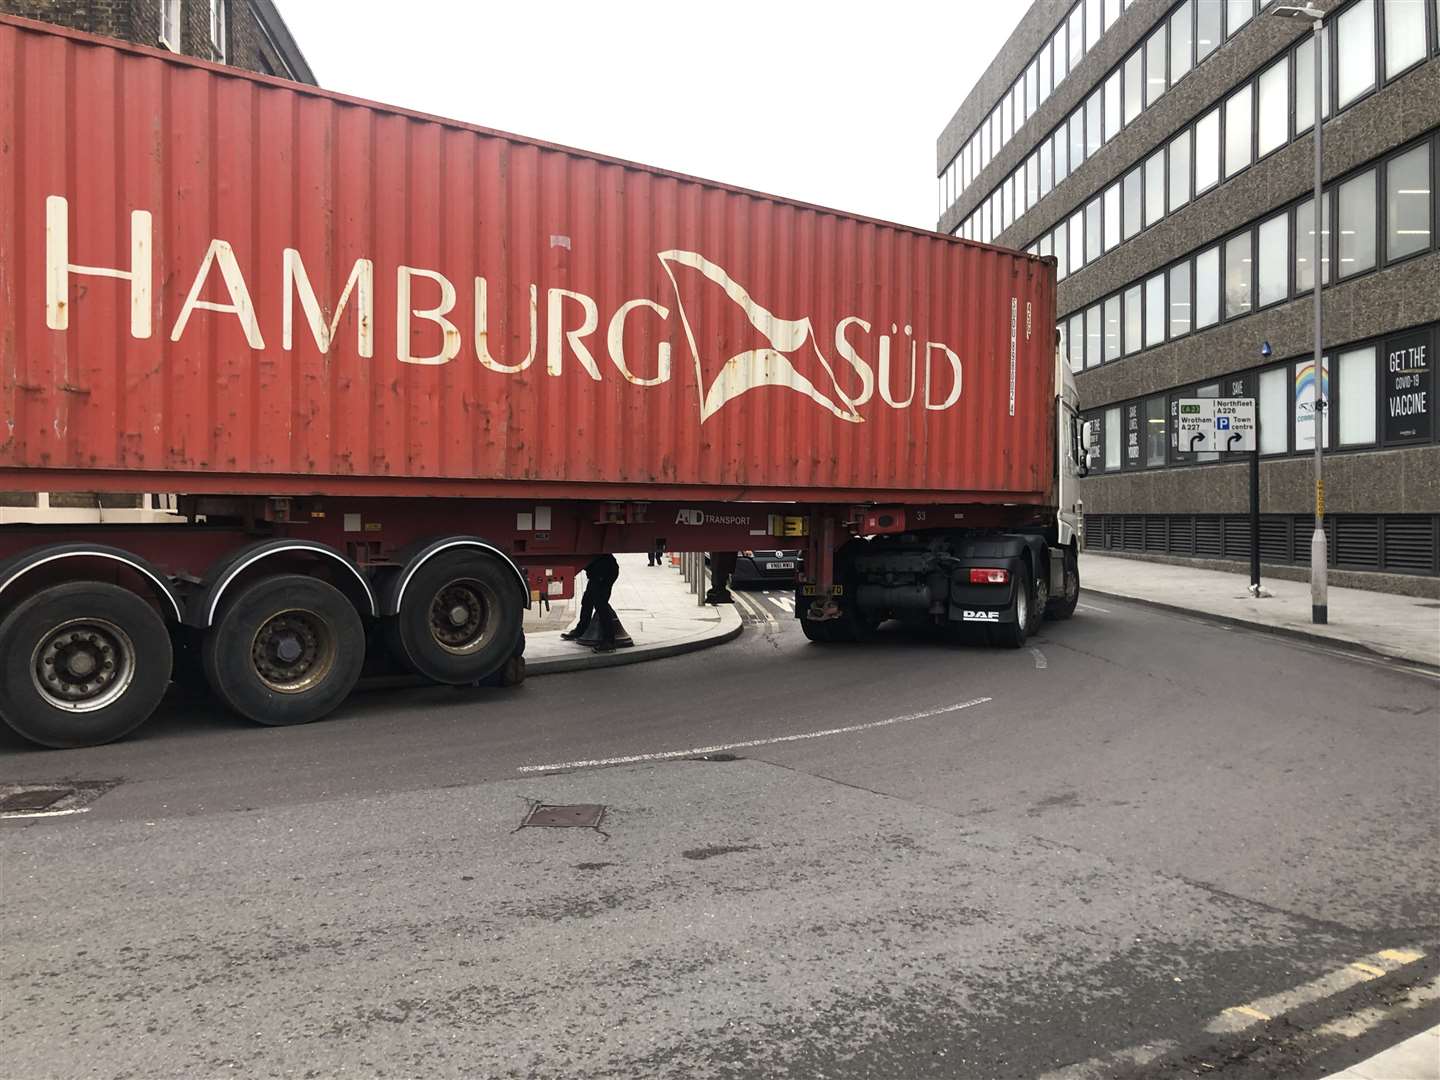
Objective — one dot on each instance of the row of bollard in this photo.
(692, 569)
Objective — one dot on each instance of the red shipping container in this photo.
(212, 281)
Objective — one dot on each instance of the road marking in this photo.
(1092, 607)
(781, 604)
(1040, 662)
(44, 813)
(1368, 969)
(701, 751)
(757, 610)
(1400, 956)
(1246, 1010)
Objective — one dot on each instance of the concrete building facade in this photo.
(1161, 151)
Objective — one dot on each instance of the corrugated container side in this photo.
(513, 312)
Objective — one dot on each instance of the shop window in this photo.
(1305, 244)
(1207, 288)
(1239, 276)
(1273, 260)
(1274, 87)
(1112, 328)
(1407, 203)
(1404, 35)
(1237, 131)
(1274, 410)
(1156, 55)
(1134, 320)
(1133, 198)
(1355, 40)
(1207, 151)
(1356, 392)
(1180, 299)
(1356, 221)
(1179, 151)
(1182, 40)
(1092, 336)
(1155, 436)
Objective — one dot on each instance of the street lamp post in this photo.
(1319, 556)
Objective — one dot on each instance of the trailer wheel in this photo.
(1063, 606)
(459, 622)
(287, 650)
(1012, 635)
(82, 664)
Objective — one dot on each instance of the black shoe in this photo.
(571, 635)
(605, 648)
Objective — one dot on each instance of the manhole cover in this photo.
(577, 816)
(32, 799)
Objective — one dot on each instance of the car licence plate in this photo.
(780, 566)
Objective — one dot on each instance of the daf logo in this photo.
(981, 616)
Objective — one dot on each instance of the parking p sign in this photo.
(1234, 423)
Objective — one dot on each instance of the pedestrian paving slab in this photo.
(1417, 1058)
(654, 604)
(1403, 627)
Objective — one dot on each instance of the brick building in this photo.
(249, 34)
(1161, 152)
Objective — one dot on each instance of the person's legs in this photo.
(606, 614)
(587, 612)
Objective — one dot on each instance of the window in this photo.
(1093, 235)
(1112, 328)
(1409, 409)
(1179, 299)
(1407, 203)
(1355, 40)
(1305, 82)
(1062, 253)
(1133, 197)
(1046, 162)
(1092, 24)
(1237, 132)
(1077, 37)
(1134, 319)
(1155, 439)
(1179, 171)
(1113, 105)
(217, 30)
(1154, 310)
(1274, 87)
(1112, 438)
(1274, 409)
(1207, 28)
(1077, 342)
(1182, 38)
(1046, 248)
(1207, 288)
(1046, 71)
(1207, 150)
(1357, 224)
(1007, 117)
(1238, 276)
(1093, 111)
(1092, 336)
(1356, 392)
(1134, 85)
(1112, 12)
(1032, 180)
(1273, 259)
(1077, 139)
(1032, 88)
(1154, 187)
(1077, 240)
(1404, 35)
(170, 24)
(1062, 156)
(1237, 14)
(1155, 54)
(1305, 244)
(1213, 390)
(1305, 402)
(1112, 216)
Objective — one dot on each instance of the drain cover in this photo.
(31, 799)
(577, 816)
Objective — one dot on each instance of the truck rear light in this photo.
(989, 575)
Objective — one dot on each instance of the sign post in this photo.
(1228, 425)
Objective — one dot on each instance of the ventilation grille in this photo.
(1410, 545)
(1207, 538)
(1155, 538)
(1182, 535)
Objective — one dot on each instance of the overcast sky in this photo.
(834, 103)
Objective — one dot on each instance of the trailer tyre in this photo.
(82, 664)
(1063, 605)
(287, 650)
(460, 620)
(1012, 635)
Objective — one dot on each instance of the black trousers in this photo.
(595, 603)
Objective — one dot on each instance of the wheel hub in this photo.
(84, 664)
(459, 616)
(292, 651)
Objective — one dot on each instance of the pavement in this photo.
(654, 604)
(1400, 627)
(1144, 846)
(1417, 1058)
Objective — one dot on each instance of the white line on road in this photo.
(1092, 607)
(44, 813)
(781, 604)
(700, 751)
(755, 608)
(1040, 662)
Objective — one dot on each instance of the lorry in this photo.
(404, 376)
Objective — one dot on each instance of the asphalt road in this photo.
(1104, 855)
